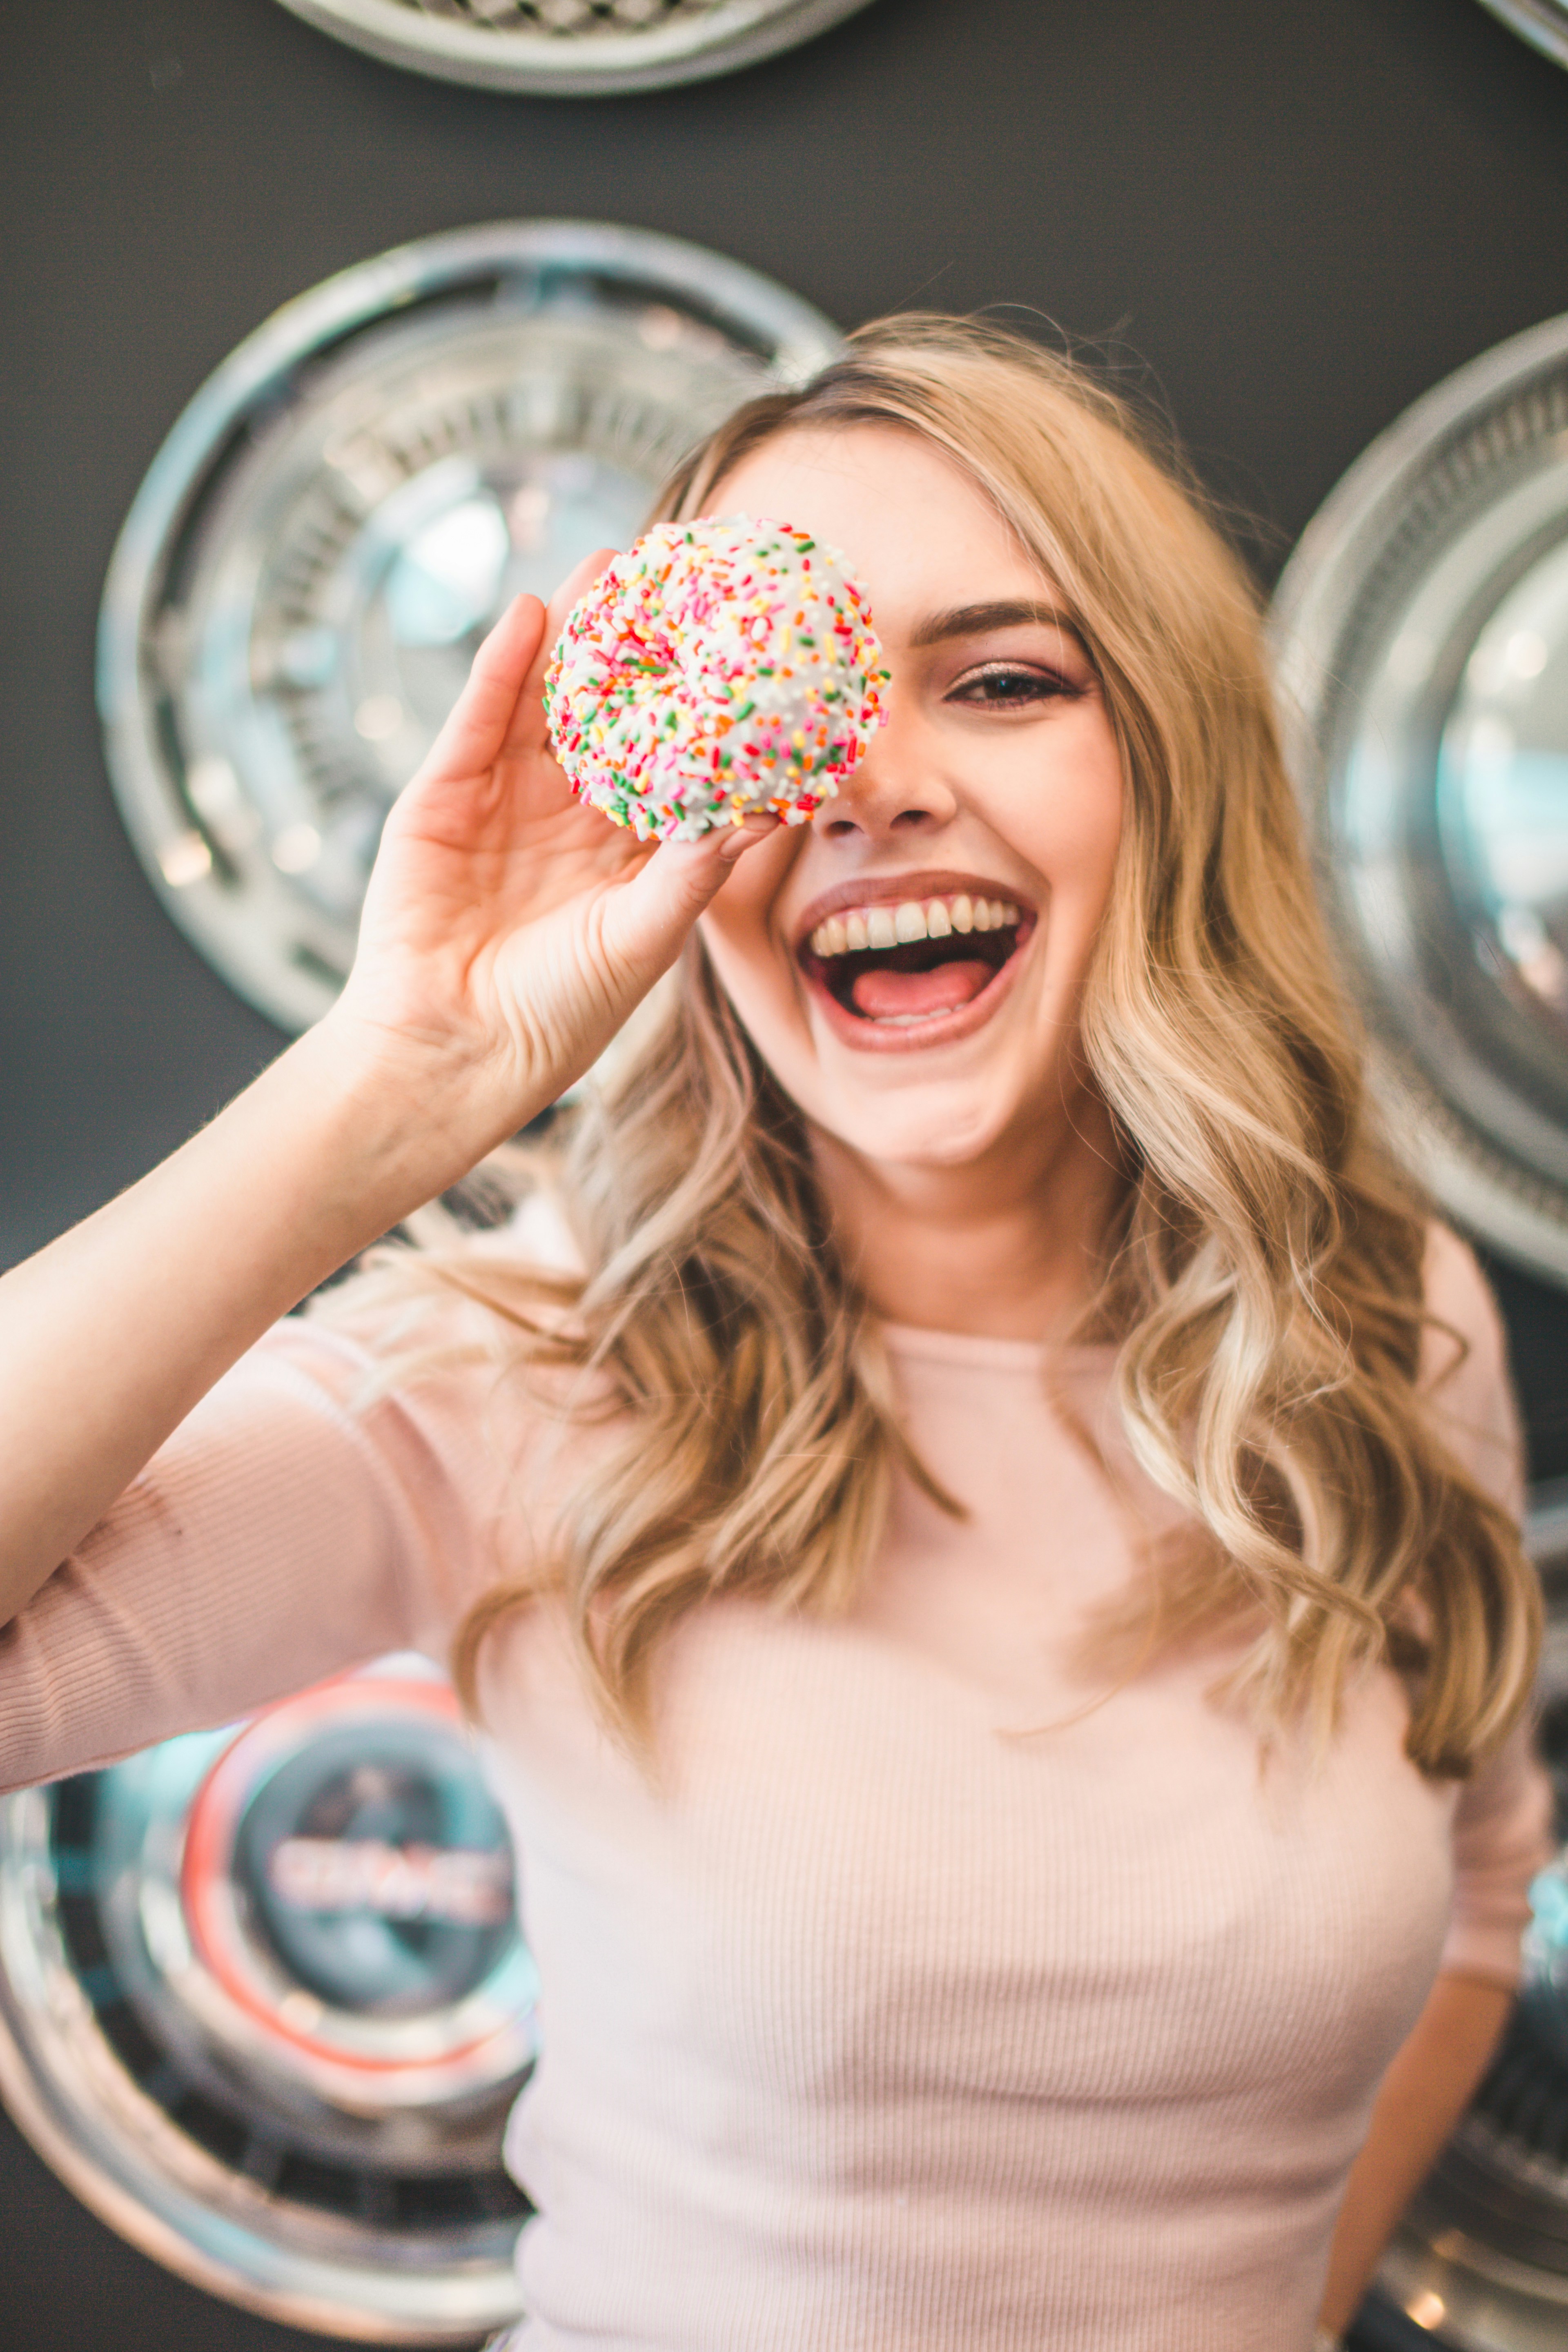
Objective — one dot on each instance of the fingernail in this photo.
(756, 827)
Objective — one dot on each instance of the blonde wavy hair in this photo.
(1262, 1277)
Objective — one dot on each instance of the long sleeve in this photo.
(1503, 1820)
(287, 1530)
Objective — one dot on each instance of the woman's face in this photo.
(909, 964)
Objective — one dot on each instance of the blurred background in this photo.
(1283, 224)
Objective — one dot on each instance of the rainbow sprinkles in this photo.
(716, 668)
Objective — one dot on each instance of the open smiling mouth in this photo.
(916, 964)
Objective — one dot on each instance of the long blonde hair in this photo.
(1263, 1277)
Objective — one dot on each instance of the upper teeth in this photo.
(886, 926)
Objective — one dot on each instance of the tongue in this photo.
(881, 994)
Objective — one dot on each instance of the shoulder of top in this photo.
(402, 1319)
(1464, 1338)
(1455, 1287)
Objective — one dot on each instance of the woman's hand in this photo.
(509, 930)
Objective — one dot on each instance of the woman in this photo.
(981, 1525)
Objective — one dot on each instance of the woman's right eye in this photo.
(1007, 685)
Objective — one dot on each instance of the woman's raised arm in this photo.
(507, 934)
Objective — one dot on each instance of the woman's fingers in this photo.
(499, 714)
(648, 917)
(507, 674)
(576, 586)
(481, 719)
(528, 731)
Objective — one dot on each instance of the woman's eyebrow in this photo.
(973, 620)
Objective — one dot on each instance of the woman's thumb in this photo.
(664, 898)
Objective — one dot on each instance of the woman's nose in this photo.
(895, 791)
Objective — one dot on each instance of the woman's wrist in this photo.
(395, 1123)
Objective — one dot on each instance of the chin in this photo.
(918, 1147)
(902, 1115)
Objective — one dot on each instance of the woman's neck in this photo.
(1007, 1246)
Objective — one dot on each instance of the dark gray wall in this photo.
(1290, 216)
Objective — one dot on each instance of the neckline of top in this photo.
(986, 1354)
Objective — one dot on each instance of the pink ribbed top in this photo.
(933, 1998)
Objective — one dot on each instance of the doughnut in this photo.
(716, 668)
